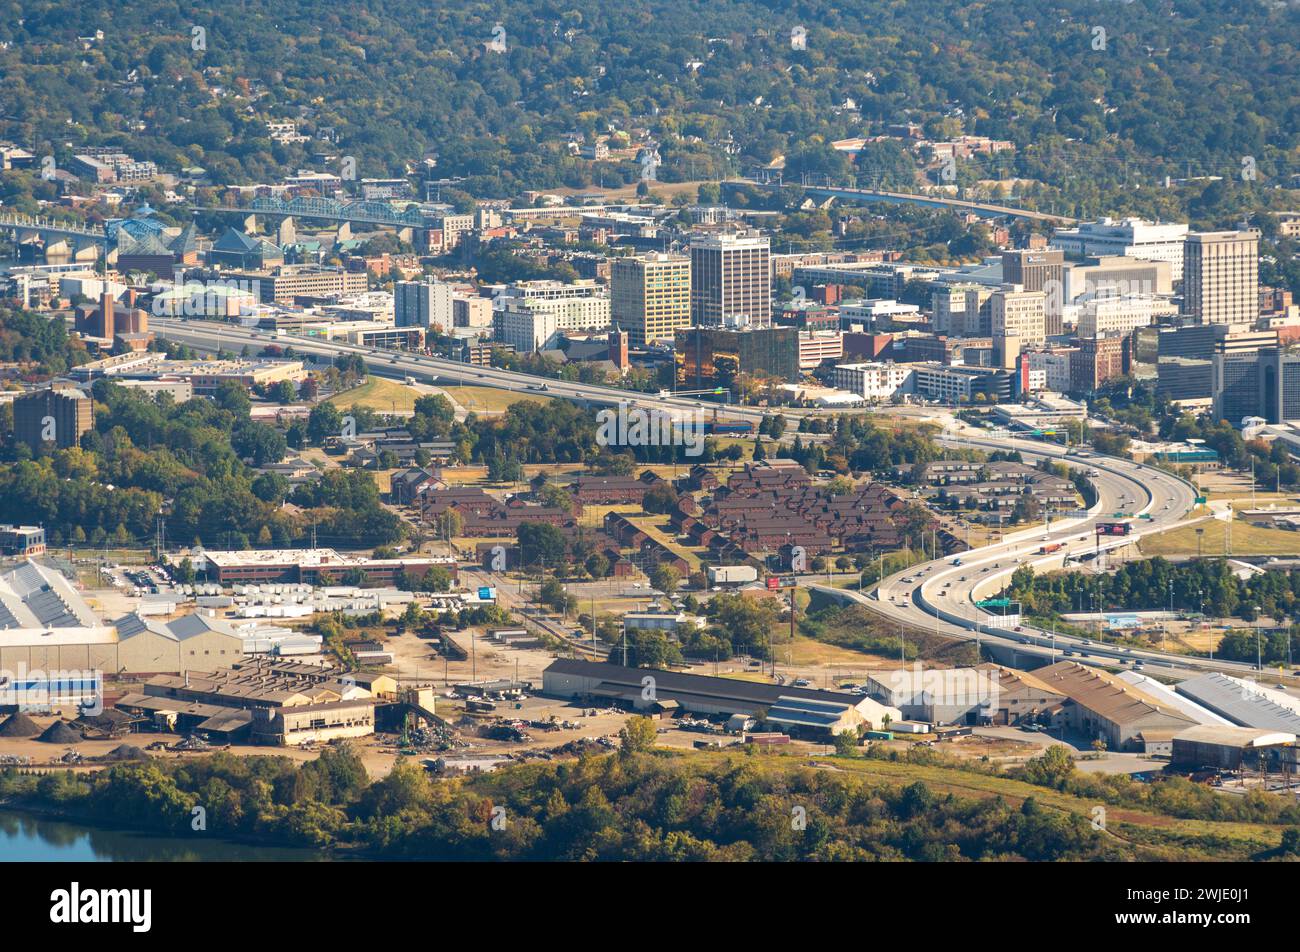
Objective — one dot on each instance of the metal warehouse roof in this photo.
(794, 710)
(1234, 736)
(1202, 715)
(675, 682)
(1106, 695)
(1239, 702)
(33, 596)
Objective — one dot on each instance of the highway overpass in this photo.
(212, 335)
(983, 209)
(941, 596)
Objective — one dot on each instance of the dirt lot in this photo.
(415, 659)
(43, 754)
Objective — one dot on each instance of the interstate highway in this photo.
(210, 335)
(917, 602)
(940, 596)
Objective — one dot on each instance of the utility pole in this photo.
(1164, 641)
(1259, 650)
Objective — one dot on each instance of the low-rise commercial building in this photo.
(22, 541)
(313, 567)
(874, 381)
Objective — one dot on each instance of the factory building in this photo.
(262, 704)
(794, 710)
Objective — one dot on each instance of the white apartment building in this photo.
(422, 304)
(471, 311)
(452, 227)
(1114, 315)
(869, 315)
(948, 306)
(582, 305)
(1131, 237)
(874, 380)
(527, 330)
(1017, 321)
(817, 347)
(961, 310)
(1015, 312)
(1054, 365)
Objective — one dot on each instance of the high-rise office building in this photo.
(650, 296)
(526, 330)
(53, 418)
(731, 280)
(423, 304)
(1221, 277)
(961, 310)
(1039, 271)
(1017, 320)
(1263, 383)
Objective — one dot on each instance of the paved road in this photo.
(986, 209)
(510, 597)
(400, 364)
(1122, 486)
(941, 595)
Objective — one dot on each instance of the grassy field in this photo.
(1246, 540)
(806, 651)
(746, 445)
(378, 394)
(594, 516)
(488, 399)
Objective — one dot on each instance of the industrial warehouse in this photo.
(283, 705)
(794, 710)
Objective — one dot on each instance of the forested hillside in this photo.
(1167, 89)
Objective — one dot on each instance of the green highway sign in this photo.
(994, 603)
(1201, 500)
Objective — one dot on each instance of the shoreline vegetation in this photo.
(639, 804)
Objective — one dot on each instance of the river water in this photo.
(33, 839)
